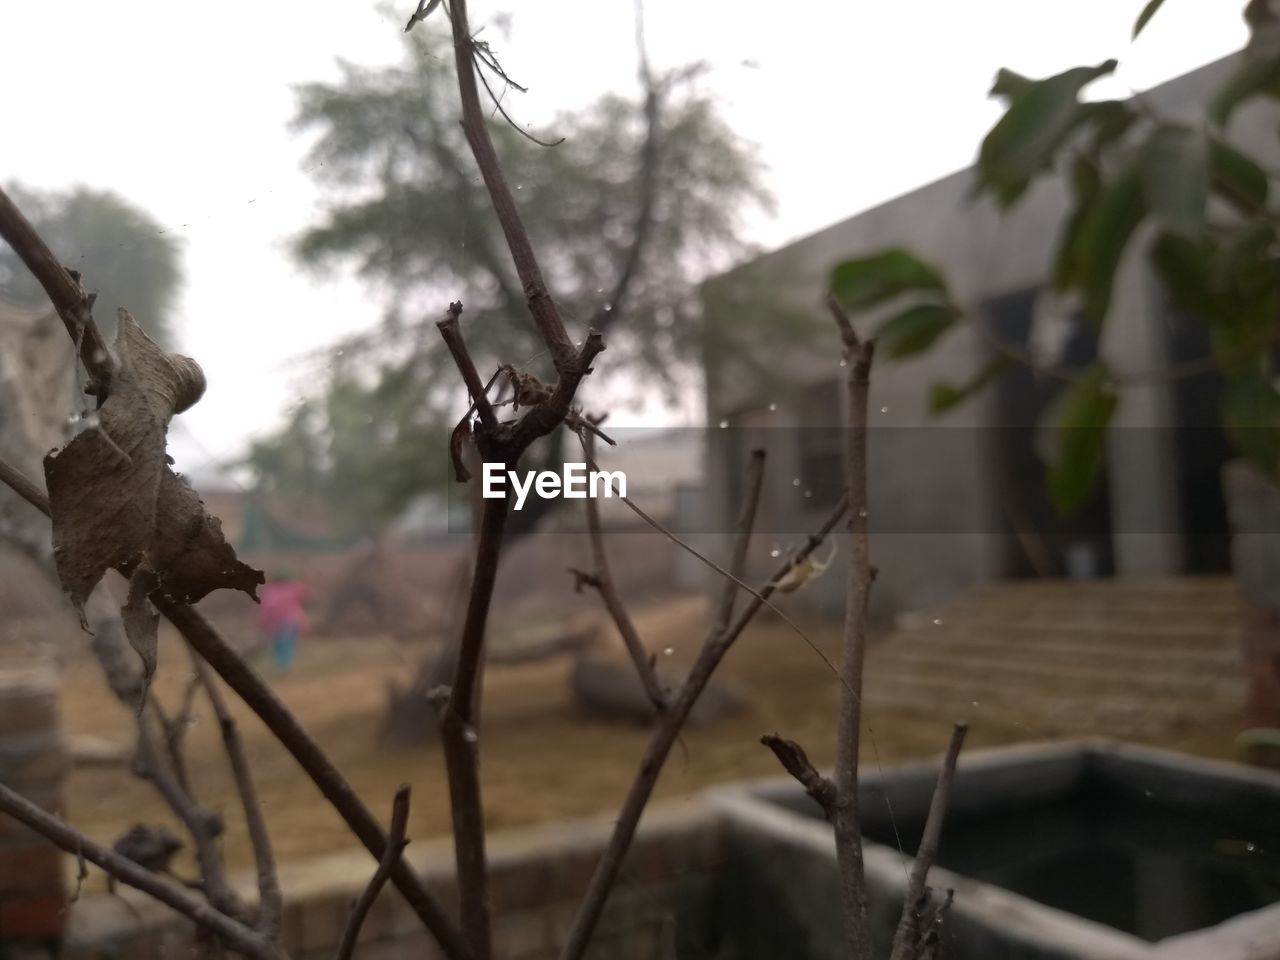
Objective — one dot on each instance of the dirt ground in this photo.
(542, 759)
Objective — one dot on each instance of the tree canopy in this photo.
(639, 200)
(120, 250)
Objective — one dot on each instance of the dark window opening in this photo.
(821, 447)
(1039, 541)
(1202, 450)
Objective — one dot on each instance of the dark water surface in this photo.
(1127, 860)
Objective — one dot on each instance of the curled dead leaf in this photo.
(115, 502)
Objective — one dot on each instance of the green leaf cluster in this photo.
(1207, 205)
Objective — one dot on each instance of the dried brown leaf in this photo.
(189, 549)
(115, 501)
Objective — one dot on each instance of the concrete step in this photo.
(1203, 590)
(1121, 621)
(1212, 599)
(1029, 633)
(1020, 688)
(1050, 715)
(1021, 682)
(1059, 664)
(1187, 658)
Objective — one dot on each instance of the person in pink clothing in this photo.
(283, 616)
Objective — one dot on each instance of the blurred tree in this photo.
(364, 448)
(122, 253)
(639, 201)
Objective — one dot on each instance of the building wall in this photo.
(937, 524)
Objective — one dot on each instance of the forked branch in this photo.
(602, 580)
(396, 842)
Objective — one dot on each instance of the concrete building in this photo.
(957, 501)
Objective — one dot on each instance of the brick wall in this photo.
(33, 761)
(662, 907)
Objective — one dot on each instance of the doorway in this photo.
(1038, 541)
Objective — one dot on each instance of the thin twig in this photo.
(576, 422)
(262, 700)
(270, 899)
(70, 840)
(796, 762)
(396, 842)
(425, 7)
(659, 747)
(541, 306)
(742, 539)
(203, 825)
(702, 558)
(497, 103)
(909, 926)
(74, 306)
(847, 820)
(18, 482)
(602, 580)
(451, 333)
(174, 730)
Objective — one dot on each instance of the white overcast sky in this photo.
(182, 108)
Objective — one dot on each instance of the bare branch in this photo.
(497, 104)
(796, 762)
(63, 288)
(396, 842)
(425, 8)
(931, 939)
(270, 899)
(909, 927)
(576, 422)
(742, 530)
(231, 931)
(451, 332)
(847, 820)
(541, 306)
(602, 580)
(23, 487)
(761, 598)
(661, 740)
(847, 334)
(173, 730)
(460, 739)
(263, 701)
(203, 825)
